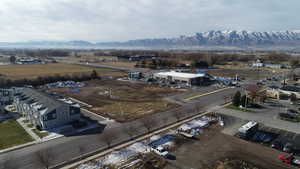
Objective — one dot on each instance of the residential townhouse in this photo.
(45, 111)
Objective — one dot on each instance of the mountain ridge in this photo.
(232, 38)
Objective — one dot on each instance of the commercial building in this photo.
(189, 79)
(27, 61)
(45, 111)
(286, 91)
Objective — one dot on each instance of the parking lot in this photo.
(284, 138)
(267, 136)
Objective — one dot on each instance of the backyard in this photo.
(12, 134)
(122, 101)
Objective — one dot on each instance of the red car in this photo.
(289, 159)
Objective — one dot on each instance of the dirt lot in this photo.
(122, 101)
(215, 150)
(33, 71)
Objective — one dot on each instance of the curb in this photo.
(126, 144)
(205, 94)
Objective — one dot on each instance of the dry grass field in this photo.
(126, 102)
(119, 64)
(244, 71)
(32, 71)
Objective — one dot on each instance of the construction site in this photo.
(121, 101)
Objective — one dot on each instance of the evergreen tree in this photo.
(243, 100)
(236, 100)
(94, 75)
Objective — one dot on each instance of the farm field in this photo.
(122, 101)
(15, 72)
(12, 134)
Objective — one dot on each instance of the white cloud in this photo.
(118, 20)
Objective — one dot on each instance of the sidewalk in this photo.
(80, 102)
(28, 130)
(124, 145)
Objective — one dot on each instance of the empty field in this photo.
(215, 150)
(32, 71)
(12, 134)
(245, 73)
(119, 64)
(122, 101)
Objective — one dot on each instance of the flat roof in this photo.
(181, 75)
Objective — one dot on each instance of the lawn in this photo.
(32, 71)
(39, 133)
(12, 134)
(237, 108)
(122, 101)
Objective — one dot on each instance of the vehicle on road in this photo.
(289, 159)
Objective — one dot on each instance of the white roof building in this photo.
(188, 78)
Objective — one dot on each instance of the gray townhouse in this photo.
(5, 98)
(45, 111)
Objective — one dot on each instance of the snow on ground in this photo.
(166, 141)
(197, 123)
(90, 166)
(124, 155)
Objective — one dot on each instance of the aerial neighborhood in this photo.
(153, 108)
(146, 84)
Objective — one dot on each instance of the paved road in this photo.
(267, 116)
(128, 69)
(68, 147)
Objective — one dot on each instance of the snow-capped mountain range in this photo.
(225, 38)
(202, 39)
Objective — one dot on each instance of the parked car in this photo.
(160, 151)
(288, 147)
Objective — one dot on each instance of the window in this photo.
(50, 116)
(74, 110)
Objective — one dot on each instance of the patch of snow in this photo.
(166, 142)
(155, 137)
(118, 157)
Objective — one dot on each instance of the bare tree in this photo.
(165, 120)
(45, 157)
(130, 129)
(149, 123)
(108, 137)
(81, 150)
(178, 115)
(225, 98)
(253, 91)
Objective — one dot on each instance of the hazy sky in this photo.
(120, 20)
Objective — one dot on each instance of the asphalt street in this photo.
(65, 148)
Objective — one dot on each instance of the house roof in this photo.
(46, 101)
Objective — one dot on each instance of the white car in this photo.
(160, 151)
